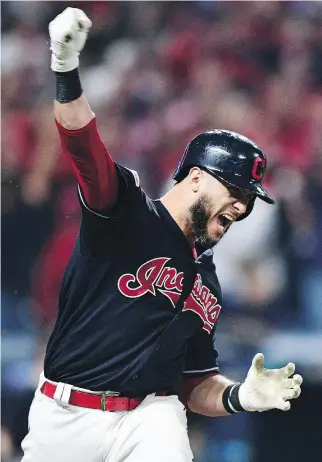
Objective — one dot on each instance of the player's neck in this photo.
(179, 212)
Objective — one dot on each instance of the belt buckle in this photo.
(103, 402)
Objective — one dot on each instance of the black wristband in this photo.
(230, 399)
(68, 86)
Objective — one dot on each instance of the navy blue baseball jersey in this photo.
(136, 312)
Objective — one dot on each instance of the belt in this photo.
(96, 401)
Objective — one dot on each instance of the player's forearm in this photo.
(80, 141)
(71, 108)
(74, 114)
(207, 397)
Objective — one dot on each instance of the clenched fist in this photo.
(266, 389)
(68, 34)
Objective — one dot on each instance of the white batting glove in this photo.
(266, 389)
(68, 34)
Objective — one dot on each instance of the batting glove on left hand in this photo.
(266, 389)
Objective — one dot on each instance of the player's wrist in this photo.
(68, 86)
(230, 399)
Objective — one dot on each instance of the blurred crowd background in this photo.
(157, 73)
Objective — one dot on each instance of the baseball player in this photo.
(133, 345)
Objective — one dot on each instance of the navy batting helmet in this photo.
(232, 158)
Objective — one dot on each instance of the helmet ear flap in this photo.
(249, 209)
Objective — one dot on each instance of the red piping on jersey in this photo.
(93, 166)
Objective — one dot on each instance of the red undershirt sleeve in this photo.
(93, 166)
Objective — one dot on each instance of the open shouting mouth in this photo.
(224, 221)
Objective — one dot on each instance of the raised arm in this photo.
(80, 141)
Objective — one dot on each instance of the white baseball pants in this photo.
(155, 431)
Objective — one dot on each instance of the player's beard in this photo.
(198, 223)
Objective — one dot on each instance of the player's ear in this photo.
(194, 178)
